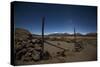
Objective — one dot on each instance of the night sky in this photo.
(58, 18)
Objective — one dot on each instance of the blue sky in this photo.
(58, 18)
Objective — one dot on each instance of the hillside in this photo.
(21, 33)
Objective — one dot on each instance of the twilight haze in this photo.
(58, 18)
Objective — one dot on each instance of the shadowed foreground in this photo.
(28, 49)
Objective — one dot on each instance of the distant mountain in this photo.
(21, 33)
(67, 34)
(78, 34)
(35, 35)
(59, 34)
(64, 34)
(91, 34)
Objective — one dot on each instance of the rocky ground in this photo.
(28, 50)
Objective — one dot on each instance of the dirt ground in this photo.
(88, 53)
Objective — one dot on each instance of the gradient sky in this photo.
(58, 18)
